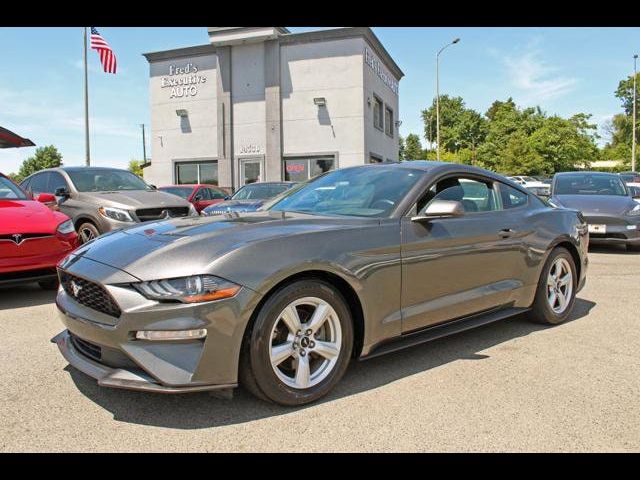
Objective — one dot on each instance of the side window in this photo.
(39, 183)
(512, 198)
(25, 185)
(203, 194)
(475, 195)
(56, 181)
(216, 194)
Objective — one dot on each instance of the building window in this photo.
(373, 158)
(378, 121)
(388, 121)
(196, 172)
(300, 169)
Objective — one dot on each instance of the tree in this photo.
(44, 157)
(135, 166)
(401, 147)
(413, 148)
(451, 108)
(624, 93)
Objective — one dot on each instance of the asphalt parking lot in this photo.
(510, 386)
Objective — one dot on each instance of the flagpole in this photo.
(86, 102)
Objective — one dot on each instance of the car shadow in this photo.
(201, 410)
(30, 295)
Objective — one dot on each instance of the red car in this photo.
(200, 195)
(33, 238)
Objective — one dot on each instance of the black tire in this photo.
(256, 373)
(49, 284)
(633, 247)
(541, 311)
(85, 230)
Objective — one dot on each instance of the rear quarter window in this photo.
(512, 198)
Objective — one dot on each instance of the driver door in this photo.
(455, 267)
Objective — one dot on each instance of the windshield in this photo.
(361, 192)
(101, 180)
(183, 192)
(582, 184)
(9, 191)
(259, 191)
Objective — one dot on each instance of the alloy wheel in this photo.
(559, 285)
(86, 235)
(306, 341)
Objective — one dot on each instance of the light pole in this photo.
(456, 40)
(633, 135)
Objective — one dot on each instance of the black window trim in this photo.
(527, 194)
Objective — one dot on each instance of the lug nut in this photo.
(312, 344)
(309, 332)
(302, 352)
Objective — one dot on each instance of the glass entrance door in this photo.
(250, 170)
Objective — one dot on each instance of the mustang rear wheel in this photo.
(300, 344)
(556, 291)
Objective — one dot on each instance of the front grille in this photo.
(89, 349)
(20, 237)
(146, 214)
(89, 294)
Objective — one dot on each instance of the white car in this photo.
(528, 181)
(634, 189)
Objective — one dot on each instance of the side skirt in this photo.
(442, 330)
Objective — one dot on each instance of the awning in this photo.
(8, 139)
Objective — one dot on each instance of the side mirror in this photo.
(62, 192)
(440, 209)
(153, 187)
(228, 197)
(46, 198)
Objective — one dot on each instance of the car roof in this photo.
(586, 172)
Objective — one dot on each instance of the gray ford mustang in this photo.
(356, 263)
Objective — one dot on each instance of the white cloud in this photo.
(533, 78)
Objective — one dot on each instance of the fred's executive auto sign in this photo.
(183, 80)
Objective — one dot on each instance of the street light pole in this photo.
(456, 40)
(633, 136)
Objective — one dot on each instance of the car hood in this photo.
(133, 199)
(239, 205)
(189, 246)
(596, 204)
(28, 216)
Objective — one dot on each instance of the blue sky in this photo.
(564, 70)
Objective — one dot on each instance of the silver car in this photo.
(100, 199)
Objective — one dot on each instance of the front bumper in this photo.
(160, 366)
(622, 230)
(130, 379)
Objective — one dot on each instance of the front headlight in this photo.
(116, 214)
(634, 211)
(65, 228)
(197, 288)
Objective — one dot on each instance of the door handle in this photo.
(506, 232)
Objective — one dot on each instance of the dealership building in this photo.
(264, 104)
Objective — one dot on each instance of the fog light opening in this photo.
(171, 334)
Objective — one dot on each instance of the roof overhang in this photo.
(8, 139)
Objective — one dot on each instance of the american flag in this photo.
(107, 57)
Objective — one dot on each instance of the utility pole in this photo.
(144, 145)
(633, 144)
(86, 103)
(438, 95)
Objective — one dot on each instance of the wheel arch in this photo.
(339, 283)
(568, 244)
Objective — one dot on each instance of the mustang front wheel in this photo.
(556, 291)
(300, 344)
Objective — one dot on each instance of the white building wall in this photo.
(329, 69)
(173, 138)
(248, 103)
(378, 142)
